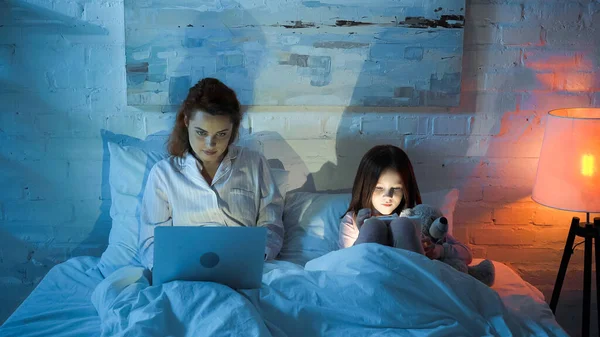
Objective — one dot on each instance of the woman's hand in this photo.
(361, 216)
(432, 250)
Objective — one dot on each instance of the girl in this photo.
(385, 184)
(207, 180)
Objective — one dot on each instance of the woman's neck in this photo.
(208, 170)
(208, 173)
(211, 168)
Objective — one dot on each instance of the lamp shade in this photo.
(568, 173)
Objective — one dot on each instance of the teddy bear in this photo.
(434, 225)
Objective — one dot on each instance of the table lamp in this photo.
(568, 178)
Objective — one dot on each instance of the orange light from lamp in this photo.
(568, 176)
(587, 165)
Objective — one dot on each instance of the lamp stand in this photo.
(590, 232)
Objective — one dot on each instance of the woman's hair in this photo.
(373, 164)
(208, 95)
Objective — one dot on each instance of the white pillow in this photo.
(129, 168)
(311, 221)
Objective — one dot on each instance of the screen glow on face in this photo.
(388, 192)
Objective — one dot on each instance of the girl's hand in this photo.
(361, 216)
(432, 250)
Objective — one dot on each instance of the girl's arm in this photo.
(270, 211)
(348, 231)
(453, 248)
(155, 211)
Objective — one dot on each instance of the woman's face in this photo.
(209, 136)
(388, 192)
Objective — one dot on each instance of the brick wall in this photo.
(62, 81)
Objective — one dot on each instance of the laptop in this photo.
(233, 256)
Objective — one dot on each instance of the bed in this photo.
(61, 304)
(313, 289)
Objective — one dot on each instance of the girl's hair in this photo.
(373, 164)
(208, 95)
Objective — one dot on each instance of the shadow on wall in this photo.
(502, 120)
(379, 119)
(179, 87)
(32, 41)
(18, 13)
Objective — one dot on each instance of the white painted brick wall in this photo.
(526, 35)
(459, 126)
(521, 59)
(495, 12)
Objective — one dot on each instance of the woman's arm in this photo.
(348, 231)
(156, 211)
(453, 248)
(270, 211)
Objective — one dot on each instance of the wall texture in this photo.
(62, 81)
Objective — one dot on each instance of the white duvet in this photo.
(367, 290)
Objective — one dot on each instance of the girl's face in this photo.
(209, 136)
(388, 192)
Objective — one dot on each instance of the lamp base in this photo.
(590, 232)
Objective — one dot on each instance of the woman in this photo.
(207, 181)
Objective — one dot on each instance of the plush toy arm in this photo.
(455, 249)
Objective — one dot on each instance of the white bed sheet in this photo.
(519, 296)
(60, 305)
